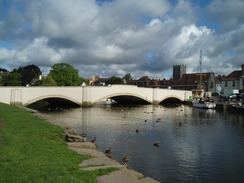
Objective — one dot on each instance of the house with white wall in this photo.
(233, 83)
(218, 84)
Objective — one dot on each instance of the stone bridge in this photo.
(90, 95)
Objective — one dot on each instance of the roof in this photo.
(195, 76)
(178, 82)
(218, 79)
(144, 78)
(233, 75)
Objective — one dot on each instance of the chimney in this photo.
(242, 68)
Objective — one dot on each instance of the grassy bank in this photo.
(33, 150)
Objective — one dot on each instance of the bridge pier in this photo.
(16, 97)
(86, 96)
(155, 102)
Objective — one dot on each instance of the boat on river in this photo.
(202, 99)
(236, 107)
(203, 103)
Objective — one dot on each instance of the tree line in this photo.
(61, 74)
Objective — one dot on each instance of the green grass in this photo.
(34, 150)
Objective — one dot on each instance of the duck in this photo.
(156, 144)
(94, 140)
(137, 131)
(125, 160)
(83, 135)
(109, 151)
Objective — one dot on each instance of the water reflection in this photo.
(195, 145)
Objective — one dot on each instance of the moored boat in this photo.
(201, 98)
(236, 108)
(203, 103)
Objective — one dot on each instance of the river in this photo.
(195, 145)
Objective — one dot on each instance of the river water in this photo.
(196, 145)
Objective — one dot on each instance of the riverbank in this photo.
(35, 150)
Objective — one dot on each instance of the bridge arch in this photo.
(171, 98)
(126, 98)
(63, 98)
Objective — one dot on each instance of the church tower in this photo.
(178, 71)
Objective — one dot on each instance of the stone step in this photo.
(102, 167)
(101, 161)
(124, 176)
(86, 145)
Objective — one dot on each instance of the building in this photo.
(218, 80)
(187, 82)
(241, 79)
(145, 81)
(191, 82)
(142, 82)
(94, 79)
(210, 83)
(178, 84)
(100, 82)
(178, 71)
(233, 83)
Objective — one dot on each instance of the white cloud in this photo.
(117, 37)
(227, 13)
(155, 21)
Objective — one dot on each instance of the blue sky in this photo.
(116, 37)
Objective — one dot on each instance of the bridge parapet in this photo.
(89, 95)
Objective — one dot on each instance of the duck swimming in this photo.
(156, 144)
(125, 160)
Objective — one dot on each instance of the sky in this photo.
(116, 37)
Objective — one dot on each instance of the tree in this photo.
(84, 81)
(127, 77)
(65, 75)
(114, 80)
(29, 73)
(21, 76)
(12, 79)
(46, 81)
(3, 70)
